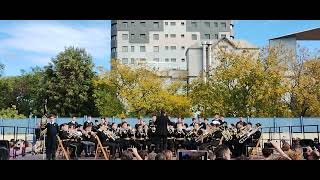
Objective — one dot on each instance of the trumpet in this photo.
(110, 134)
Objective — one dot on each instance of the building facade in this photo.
(200, 59)
(162, 44)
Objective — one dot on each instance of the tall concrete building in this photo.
(162, 44)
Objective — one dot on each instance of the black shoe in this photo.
(87, 155)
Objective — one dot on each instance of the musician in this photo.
(151, 136)
(254, 138)
(74, 138)
(185, 124)
(140, 138)
(194, 121)
(195, 132)
(125, 136)
(162, 130)
(88, 122)
(239, 149)
(51, 138)
(66, 137)
(73, 121)
(214, 139)
(170, 138)
(88, 141)
(180, 137)
(205, 123)
(105, 140)
(139, 122)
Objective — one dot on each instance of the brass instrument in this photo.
(248, 134)
(227, 135)
(110, 134)
(43, 132)
(242, 132)
(205, 134)
(74, 135)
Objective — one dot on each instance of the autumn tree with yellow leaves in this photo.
(139, 92)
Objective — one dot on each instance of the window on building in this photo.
(194, 24)
(182, 47)
(132, 48)
(207, 36)
(207, 24)
(156, 25)
(172, 23)
(173, 47)
(124, 36)
(183, 60)
(223, 36)
(113, 50)
(194, 37)
(143, 24)
(166, 59)
(172, 35)
(131, 35)
(143, 36)
(182, 35)
(215, 24)
(132, 61)
(216, 36)
(132, 23)
(155, 48)
(223, 24)
(155, 36)
(173, 60)
(167, 47)
(125, 24)
(166, 23)
(143, 59)
(156, 59)
(114, 38)
(124, 60)
(124, 48)
(142, 49)
(166, 35)
(182, 23)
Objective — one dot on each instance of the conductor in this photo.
(51, 138)
(161, 133)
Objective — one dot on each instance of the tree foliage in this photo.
(142, 92)
(10, 113)
(68, 83)
(242, 85)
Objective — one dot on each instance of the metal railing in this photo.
(17, 132)
(290, 132)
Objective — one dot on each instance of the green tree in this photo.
(68, 83)
(10, 113)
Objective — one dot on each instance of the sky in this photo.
(25, 44)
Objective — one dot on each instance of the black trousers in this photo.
(51, 147)
(161, 143)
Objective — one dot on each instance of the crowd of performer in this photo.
(158, 135)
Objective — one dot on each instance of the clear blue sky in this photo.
(24, 44)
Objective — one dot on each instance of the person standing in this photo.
(51, 138)
(162, 131)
